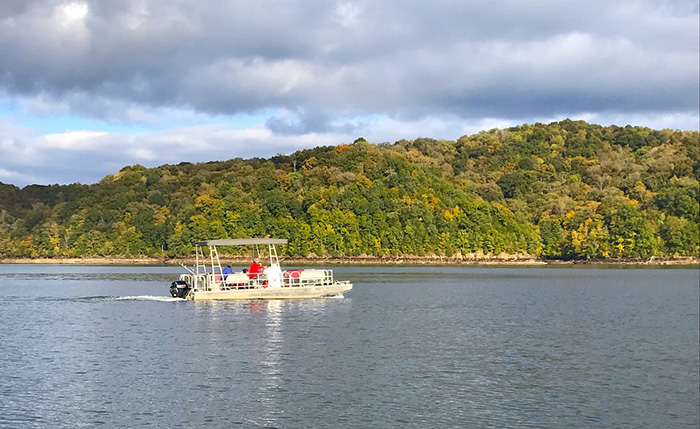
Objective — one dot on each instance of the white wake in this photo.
(148, 298)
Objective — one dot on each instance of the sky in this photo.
(90, 86)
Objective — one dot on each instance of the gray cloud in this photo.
(370, 57)
(319, 65)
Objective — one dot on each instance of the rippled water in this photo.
(408, 347)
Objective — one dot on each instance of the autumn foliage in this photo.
(567, 190)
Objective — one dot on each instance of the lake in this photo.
(86, 346)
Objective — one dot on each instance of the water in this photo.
(416, 347)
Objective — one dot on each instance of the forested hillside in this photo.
(567, 190)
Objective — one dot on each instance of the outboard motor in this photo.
(179, 289)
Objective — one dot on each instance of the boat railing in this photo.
(289, 278)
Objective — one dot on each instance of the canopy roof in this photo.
(240, 241)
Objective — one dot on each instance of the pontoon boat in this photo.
(207, 281)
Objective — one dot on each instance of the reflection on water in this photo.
(255, 343)
(416, 347)
(272, 386)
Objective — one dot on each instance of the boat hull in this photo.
(272, 293)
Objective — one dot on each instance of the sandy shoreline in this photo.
(509, 260)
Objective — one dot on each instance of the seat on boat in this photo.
(293, 274)
(312, 275)
(237, 279)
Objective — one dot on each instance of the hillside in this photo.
(565, 190)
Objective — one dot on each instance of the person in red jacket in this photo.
(255, 269)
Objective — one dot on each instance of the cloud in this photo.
(336, 69)
(88, 156)
(72, 140)
(373, 58)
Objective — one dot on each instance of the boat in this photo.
(207, 281)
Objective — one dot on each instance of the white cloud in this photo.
(74, 140)
(70, 14)
(348, 14)
(673, 121)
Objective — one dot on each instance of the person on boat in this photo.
(226, 271)
(255, 269)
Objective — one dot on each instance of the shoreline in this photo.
(485, 260)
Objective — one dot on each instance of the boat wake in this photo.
(98, 298)
(149, 298)
(127, 298)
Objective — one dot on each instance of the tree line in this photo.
(564, 190)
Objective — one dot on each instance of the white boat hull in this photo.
(294, 292)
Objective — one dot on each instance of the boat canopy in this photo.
(240, 241)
